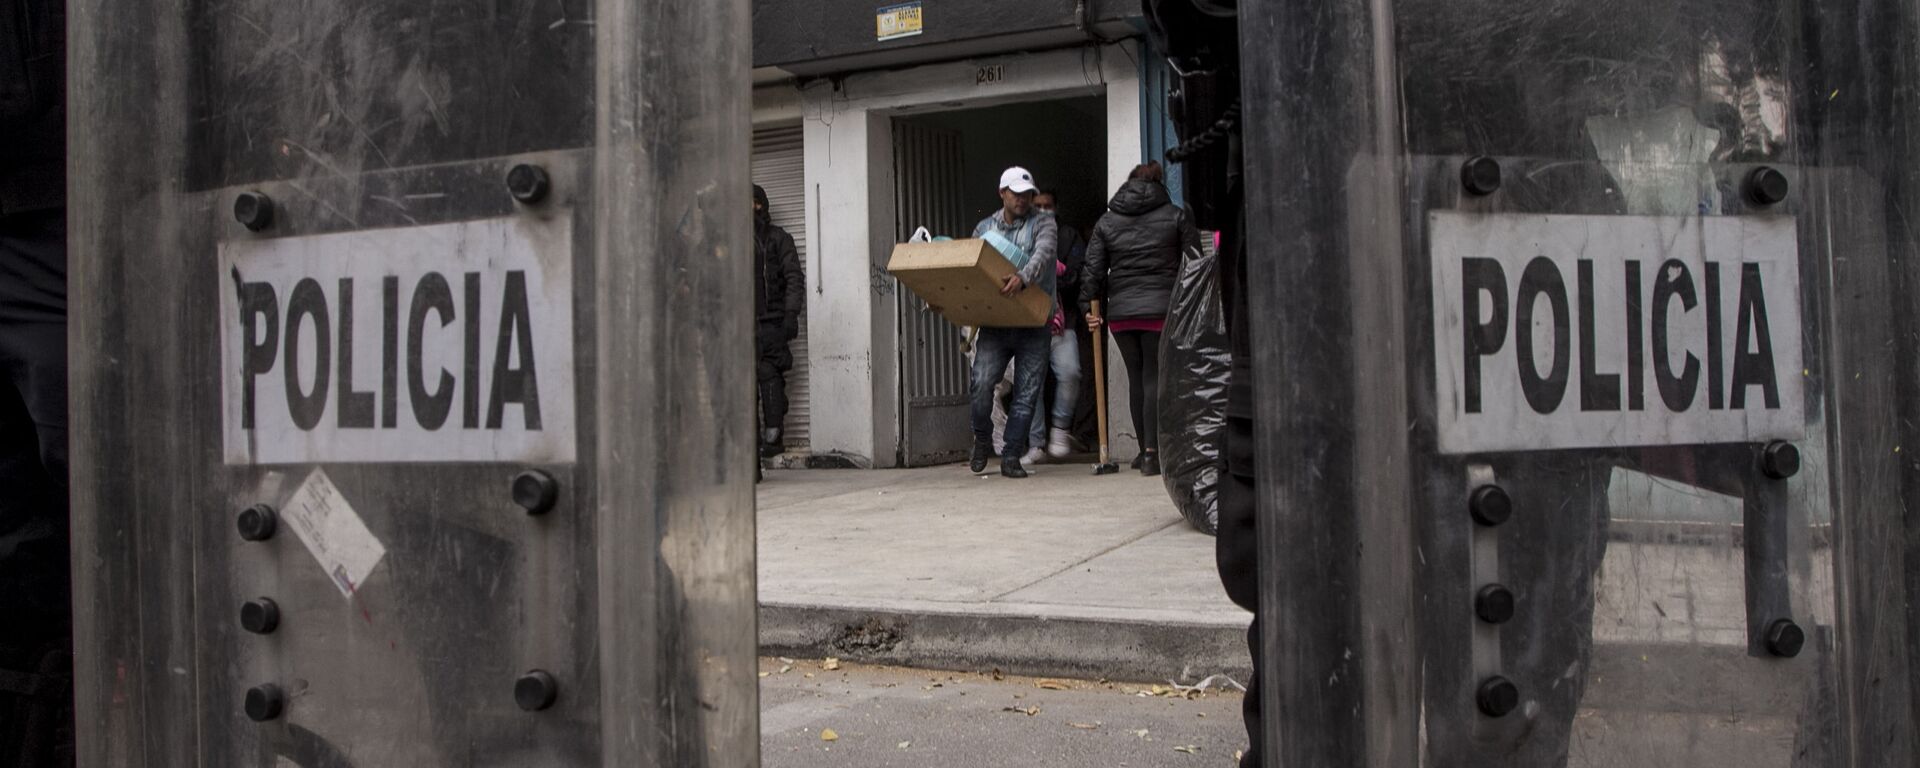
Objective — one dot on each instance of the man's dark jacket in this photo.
(779, 286)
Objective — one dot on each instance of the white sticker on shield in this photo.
(333, 532)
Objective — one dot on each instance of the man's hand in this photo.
(1093, 322)
(1012, 285)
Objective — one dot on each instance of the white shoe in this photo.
(1034, 455)
(1058, 447)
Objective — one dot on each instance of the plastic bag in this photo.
(1195, 365)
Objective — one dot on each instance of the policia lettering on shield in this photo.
(1609, 302)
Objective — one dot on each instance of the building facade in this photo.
(860, 140)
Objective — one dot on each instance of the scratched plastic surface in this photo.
(374, 128)
(1614, 334)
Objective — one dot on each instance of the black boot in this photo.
(770, 445)
(1138, 460)
(1150, 464)
(1010, 467)
(978, 461)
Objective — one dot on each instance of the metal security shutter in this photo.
(779, 168)
(927, 164)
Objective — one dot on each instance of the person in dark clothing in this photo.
(1072, 249)
(779, 297)
(1132, 262)
(1204, 37)
(36, 611)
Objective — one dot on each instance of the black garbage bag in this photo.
(1195, 364)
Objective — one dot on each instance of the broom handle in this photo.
(1100, 378)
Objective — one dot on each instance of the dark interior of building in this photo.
(1062, 141)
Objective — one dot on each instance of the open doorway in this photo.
(947, 166)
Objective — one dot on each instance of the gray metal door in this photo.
(401, 427)
(933, 368)
(1582, 355)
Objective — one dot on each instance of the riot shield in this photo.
(412, 384)
(1582, 395)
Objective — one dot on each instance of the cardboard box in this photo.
(960, 279)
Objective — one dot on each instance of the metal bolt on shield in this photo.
(260, 616)
(528, 183)
(535, 691)
(254, 210)
(1490, 505)
(265, 702)
(257, 523)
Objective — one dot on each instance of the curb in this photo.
(983, 638)
(1155, 647)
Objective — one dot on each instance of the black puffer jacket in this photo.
(1135, 253)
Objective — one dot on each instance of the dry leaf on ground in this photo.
(827, 734)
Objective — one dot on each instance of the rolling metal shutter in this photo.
(779, 168)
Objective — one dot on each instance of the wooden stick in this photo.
(1100, 378)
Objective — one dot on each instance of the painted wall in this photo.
(849, 179)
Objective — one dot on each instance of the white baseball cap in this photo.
(1017, 179)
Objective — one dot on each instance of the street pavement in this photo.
(860, 716)
(1070, 575)
(893, 717)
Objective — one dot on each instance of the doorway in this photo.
(946, 167)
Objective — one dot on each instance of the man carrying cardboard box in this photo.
(1026, 237)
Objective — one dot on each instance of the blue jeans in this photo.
(1065, 363)
(1027, 349)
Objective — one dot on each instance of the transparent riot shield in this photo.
(1583, 392)
(411, 382)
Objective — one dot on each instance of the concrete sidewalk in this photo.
(1068, 574)
(1057, 574)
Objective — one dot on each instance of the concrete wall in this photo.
(850, 209)
(775, 103)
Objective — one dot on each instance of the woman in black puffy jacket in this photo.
(1132, 261)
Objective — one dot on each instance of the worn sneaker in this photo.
(978, 461)
(1150, 464)
(1138, 459)
(1034, 455)
(1059, 446)
(1011, 468)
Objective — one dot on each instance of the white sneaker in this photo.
(1034, 455)
(1057, 446)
